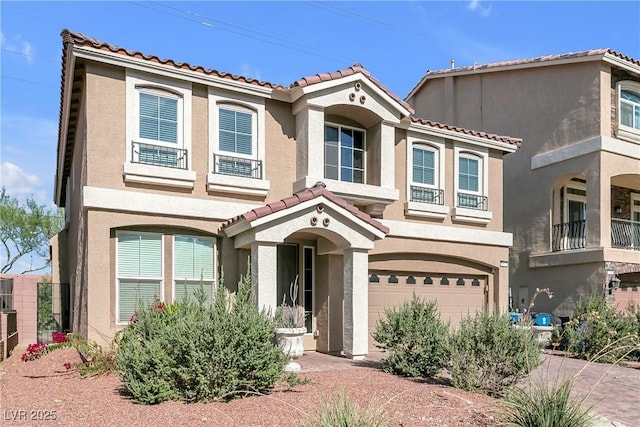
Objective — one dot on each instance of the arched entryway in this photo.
(338, 237)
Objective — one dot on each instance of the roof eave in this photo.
(462, 137)
(66, 91)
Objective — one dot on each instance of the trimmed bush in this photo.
(488, 354)
(598, 332)
(415, 338)
(201, 350)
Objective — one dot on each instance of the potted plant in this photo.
(290, 330)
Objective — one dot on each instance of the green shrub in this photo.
(339, 411)
(544, 405)
(598, 332)
(488, 354)
(201, 350)
(415, 338)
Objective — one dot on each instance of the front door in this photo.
(296, 266)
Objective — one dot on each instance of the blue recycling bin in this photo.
(542, 319)
(515, 317)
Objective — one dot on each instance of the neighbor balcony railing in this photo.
(237, 166)
(570, 235)
(158, 155)
(625, 234)
(427, 195)
(472, 201)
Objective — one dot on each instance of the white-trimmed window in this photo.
(158, 112)
(236, 149)
(193, 266)
(344, 153)
(629, 109)
(139, 272)
(236, 143)
(425, 175)
(470, 186)
(471, 176)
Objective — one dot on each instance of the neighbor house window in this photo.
(193, 267)
(630, 109)
(139, 272)
(344, 149)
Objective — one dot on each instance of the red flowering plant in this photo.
(34, 351)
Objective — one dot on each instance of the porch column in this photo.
(263, 274)
(355, 340)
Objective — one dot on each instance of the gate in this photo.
(53, 310)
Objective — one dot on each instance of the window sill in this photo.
(628, 134)
(426, 210)
(158, 175)
(472, 215)
(237, 184)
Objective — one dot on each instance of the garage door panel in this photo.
(455, 301)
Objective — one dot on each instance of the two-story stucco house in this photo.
(572, 192)
(171, 173)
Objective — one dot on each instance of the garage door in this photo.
(456, 296)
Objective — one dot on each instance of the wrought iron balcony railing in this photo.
(237, 166)
(625, 234)
(158, 155)
(472, 201)
(427, 195)
(570, 235)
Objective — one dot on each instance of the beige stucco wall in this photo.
(99, 156)
(550, 107)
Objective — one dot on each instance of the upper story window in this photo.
(425, 175)
(629, 110)
(471, 181)
(158, 117)
(344, 150)
(158, 135)
(236, 143)
(159, 139)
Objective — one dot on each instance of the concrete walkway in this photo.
(614, 391)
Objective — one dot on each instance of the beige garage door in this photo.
(456, 296)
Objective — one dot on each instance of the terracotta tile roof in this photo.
(539, 59)
(354, 69)
(504, 139)
(319, 189)
(80, 39)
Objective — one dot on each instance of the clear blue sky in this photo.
(277, 42)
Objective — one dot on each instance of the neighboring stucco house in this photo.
(171, 173)
(572, 192)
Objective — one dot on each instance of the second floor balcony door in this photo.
(576, 220)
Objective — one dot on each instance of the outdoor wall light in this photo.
(618, 209)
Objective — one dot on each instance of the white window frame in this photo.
(118, 277)
(623, 131)
(364, 152)
(635, 197)
(574, 198)
(220, 98)
(423, 209)
(135, 82)
(463, 214)
(174, 277)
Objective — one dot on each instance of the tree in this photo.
(25, 228)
